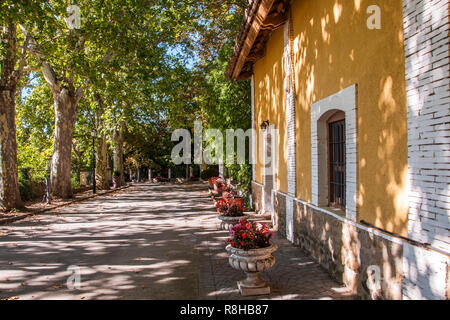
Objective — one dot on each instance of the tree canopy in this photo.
(132, 71)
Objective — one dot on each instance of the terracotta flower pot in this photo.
(252, 262)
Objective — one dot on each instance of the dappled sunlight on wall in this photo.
(334, 49)
(337, 11)
(389, 162)
(270, 104)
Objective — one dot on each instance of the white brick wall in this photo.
(290, 127)
(254, 142)
(290, 113)
(426, 26)
(270, 149)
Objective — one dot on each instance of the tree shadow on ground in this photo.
(157, 252)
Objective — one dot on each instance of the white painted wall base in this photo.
(425, 274)
(290, 219)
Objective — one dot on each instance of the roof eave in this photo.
(261, 18)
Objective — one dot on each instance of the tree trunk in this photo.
(9, 77)
(9, 180)
(101, 172)
(118, 155)
(101, 148)
(65, 114)
(65, 100)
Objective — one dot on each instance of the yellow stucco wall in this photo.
(333, 49)
(270, 103)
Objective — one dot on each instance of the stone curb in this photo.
(6, 221)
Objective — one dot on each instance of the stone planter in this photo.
(252, 262)
(228, 222)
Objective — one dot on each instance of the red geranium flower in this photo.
(249, 235)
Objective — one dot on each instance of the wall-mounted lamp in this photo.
(265, 125)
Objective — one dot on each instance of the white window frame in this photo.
(344, 100)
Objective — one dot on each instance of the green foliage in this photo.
(25, 173)
(75, 182)
(35, 126)
(211, 171)
(31, 189)
(179, 172)
(25, 190)
(242, 175)
(147, 67)
(225, 104)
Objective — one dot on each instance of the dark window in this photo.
(336, 147)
